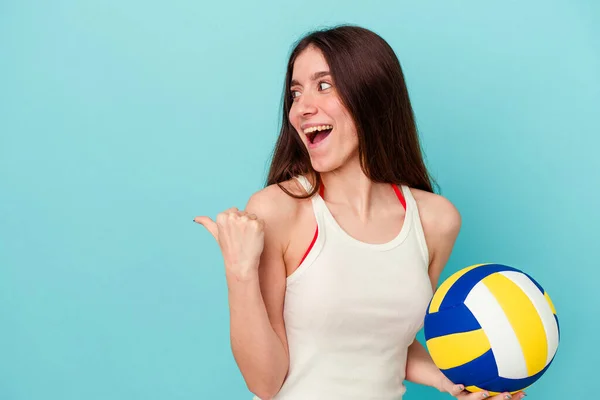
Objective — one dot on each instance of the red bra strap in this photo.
(400, 195)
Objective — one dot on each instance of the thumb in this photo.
(209, 224)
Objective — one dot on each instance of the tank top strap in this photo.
(304, 182)
(318, 240)
(308, 186)
(318, 204)
(407, 194)
(412, 211)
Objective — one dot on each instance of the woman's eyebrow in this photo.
(314, 77)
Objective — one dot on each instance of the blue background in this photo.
(121, 121)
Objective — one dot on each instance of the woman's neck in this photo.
(350, 187)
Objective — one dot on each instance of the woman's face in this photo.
(323, 123)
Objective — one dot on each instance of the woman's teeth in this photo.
(317, 128)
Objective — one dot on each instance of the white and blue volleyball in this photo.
(492, 327)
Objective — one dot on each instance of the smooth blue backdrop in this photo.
(121, 121)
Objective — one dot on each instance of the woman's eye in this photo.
(327, 85)
(295, 94)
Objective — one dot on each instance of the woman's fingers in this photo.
(500, 396)
(456, 390)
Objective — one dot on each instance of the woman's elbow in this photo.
(266, 389)
(263, 392)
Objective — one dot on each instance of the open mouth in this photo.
(317, 134)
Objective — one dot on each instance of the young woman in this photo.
(330, 268)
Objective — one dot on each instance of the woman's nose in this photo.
(307, 105)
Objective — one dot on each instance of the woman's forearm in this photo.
(421, 369)
(258, 351)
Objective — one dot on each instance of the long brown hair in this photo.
(370, 83)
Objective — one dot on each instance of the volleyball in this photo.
(491, 327)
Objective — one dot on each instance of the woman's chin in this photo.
(324, 164)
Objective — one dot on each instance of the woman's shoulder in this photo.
(437, 213)
(272, 202)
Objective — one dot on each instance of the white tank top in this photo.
(352, 309)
